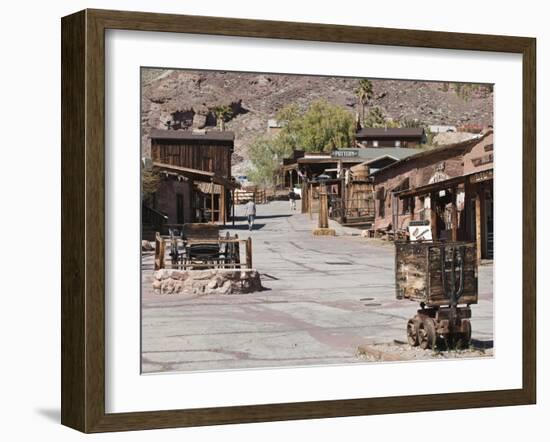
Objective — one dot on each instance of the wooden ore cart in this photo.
(442, 277)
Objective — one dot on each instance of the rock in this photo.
(203, 282)
(161, 274)
(199, 121)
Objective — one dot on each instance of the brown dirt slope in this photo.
(187, 98)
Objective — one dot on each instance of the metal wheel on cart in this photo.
(465, 337)
(426, 333)
(412, 332)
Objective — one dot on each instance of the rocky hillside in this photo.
(185, 99)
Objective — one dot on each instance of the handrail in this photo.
(146, 208)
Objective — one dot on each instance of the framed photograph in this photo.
(268, 221)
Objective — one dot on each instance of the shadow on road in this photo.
(242, 226)
(476, 343)
(272, 216)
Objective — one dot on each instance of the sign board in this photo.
(481, 176)
(420, 232)
(344, 153)
(419, 222)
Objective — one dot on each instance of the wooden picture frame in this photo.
(83, 220)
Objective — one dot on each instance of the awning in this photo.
(432, 187)
(196, 175)
(287, 167)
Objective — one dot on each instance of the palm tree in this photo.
(364, 94)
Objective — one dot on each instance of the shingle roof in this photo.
(213, 135)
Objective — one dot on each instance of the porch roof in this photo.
(432, 187)
(196, 175)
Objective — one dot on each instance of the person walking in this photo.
(292, 199)
(250, 213)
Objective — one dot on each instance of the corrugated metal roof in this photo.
(212, 135)
(390, 132)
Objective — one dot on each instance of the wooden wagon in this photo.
(200, 246)
(442, 277)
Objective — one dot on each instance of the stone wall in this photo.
(205, 282)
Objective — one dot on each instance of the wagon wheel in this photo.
(426, 333)
(412, 332)
(464, 338)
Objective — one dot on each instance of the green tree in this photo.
(410, 122)
(322, 128)
(375, 118)
(150, 182)
(223, 113)
(364, 93)
(265, 154)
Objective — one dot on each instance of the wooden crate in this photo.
(418, 272)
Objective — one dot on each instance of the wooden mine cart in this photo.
(442, 277)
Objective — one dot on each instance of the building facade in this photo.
(195, 172)
(450, 188)
(390, 137)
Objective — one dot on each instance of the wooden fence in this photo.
(242, 196)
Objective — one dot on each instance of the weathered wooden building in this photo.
(195, 171)
(451, 188)
(344, 172)
(390, 137)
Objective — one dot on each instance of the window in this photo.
(407, 205)
(397, 143)
(374, 143)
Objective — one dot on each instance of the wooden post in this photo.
(344, 197)
(305, 196)
(249, 253)
(454, 215)
(159, 252)
(222, 205)
(323, 209)
(212, 202)
(310, 201)
(237, 252)
(233, 207)
(433, 216)
(467, 226)
(478, 224)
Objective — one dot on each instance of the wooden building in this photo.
(390, 137)
(345, 173)
(195, 167)
(450, 188)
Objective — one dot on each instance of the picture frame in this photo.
(83, 220)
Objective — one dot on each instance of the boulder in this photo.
(204, 282)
